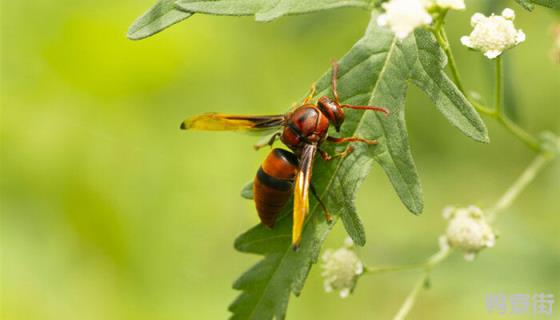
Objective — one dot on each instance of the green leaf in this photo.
(428, 75)
(166, 13)
(530, 4)
(554, 4)
(527, 4)
(161, 16)
(266, 10)
(376, 71)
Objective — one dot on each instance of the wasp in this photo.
(283, 173)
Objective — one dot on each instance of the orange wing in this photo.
(301, 193)
(232, 122)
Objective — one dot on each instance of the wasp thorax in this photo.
(332, 111)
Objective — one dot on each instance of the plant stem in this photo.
(432, 262)
(519, 185)
(499, 90)
(427, 265)
(482, 109)
(444, 42)
(441, 37)
(376, 270)
(517, 131)
(411, 298)
(437, 258)
(496, 113)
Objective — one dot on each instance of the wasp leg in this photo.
(336, 99)
(270, 142)
(311, 93)
(328, 217)
(334, 75)
(346, 152)
(373, 108)
(350, 139)
(327, 157)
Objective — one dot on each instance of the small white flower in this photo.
(448, 212)
(468, 231)
(494, 34)
(341, 270)
(403, 16)
(450, 4)
(508, 14)
(477, 18)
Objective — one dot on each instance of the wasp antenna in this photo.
(373, 108)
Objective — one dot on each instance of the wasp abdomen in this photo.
(273, 184)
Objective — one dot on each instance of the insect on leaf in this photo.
(376, 71)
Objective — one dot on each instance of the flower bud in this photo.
(403, 16)
(341, 269)
(468, 230)
(494, 34)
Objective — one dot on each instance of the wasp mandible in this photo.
(283, 172)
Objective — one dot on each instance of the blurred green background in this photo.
(109, 211)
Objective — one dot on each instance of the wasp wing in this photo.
(301, 192)
(233, 122)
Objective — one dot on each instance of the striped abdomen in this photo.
(274, 183)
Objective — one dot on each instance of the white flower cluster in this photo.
(494, 34)
(467, 230)
(341, 269)
(403, 16)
